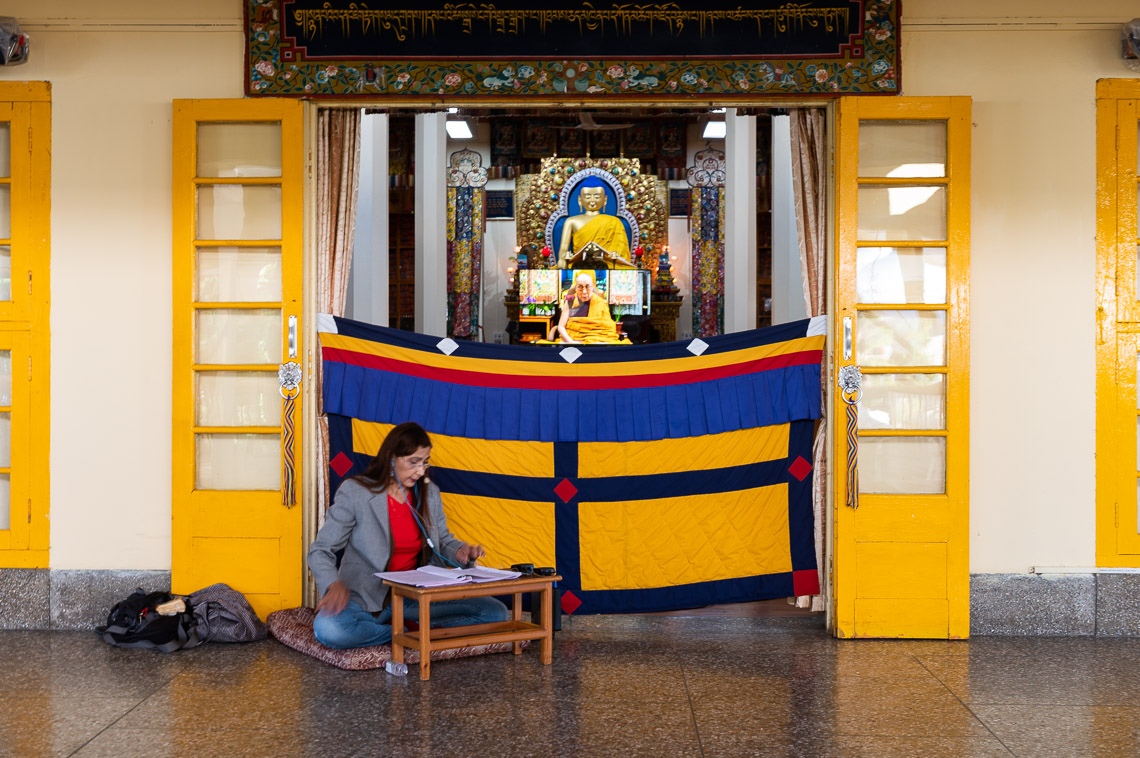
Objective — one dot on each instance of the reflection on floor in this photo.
(768, 680)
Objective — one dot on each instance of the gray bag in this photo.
(222, 614)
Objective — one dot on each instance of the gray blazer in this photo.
(358, 522)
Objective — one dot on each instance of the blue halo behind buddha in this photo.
(568, 204)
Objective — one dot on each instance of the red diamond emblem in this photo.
(805, 582)
(800, 468)
(570, 602)
(566, 490)
(341, 464)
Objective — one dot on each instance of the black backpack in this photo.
(135, 622)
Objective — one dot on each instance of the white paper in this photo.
(436, 576)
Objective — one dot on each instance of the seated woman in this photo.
(586, 315)
(593, 226)
(390, 518)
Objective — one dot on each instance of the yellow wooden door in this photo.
(1118, 324)
(25, 348)
(238, 168)
(902, 318)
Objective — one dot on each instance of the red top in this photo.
(406, 539)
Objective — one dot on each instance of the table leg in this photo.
(547, 625)
(425, 638)
(516, 616)
(397, 623)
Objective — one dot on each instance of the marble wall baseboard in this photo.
(1055, 605)
(1046, 605)
(56, 599)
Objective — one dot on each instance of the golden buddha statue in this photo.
(593, 237)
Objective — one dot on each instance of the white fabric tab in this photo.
(326, 322)
(698, 346)
(817, 326)
(447, 346)
(570, 354)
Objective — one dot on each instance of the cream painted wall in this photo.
(112, 88)
(1033, 261)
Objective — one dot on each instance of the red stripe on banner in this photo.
(511, 381)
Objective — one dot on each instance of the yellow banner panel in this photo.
(512, 531)
(643, 544)
(467, 454)
(739, 448)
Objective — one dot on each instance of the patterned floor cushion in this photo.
(293, 627)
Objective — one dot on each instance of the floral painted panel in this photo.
(338, 48)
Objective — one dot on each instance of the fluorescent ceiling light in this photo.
(458, 130)
(714, 130)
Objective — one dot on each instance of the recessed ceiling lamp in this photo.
(715, 127)
(714, 130)
(459, 130)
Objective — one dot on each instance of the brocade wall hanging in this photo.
(671, 475)
(706, 177)
(571, 48)
(466, 216)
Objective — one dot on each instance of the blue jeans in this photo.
(356, 627)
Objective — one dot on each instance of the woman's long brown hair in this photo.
(404, 439)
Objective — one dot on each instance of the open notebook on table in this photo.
(435, 576)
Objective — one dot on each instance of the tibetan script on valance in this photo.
(514, 47)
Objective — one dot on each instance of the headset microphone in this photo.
(423, 529)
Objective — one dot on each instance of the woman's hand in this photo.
(468, 554)
(335, 599)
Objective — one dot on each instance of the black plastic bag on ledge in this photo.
(13, 42)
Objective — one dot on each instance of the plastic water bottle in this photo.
(396, 669)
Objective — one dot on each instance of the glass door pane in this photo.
(901, 275)
(914, 212)
(903, 465)
(901, 149)
(233, 274)
(239, 150)
(238, 462)
(903, 401)
(236, 212)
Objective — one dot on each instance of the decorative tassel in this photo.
(853, 456)
(288, 485)
(851, 384)
(289, 379)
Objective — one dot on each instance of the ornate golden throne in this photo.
(546, 199)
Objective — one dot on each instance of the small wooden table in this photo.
(513, 630)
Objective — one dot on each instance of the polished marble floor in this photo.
(656, 685)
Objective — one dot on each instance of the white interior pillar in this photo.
(787, 272)
(431, 223)
(740, 222)
(368, 280)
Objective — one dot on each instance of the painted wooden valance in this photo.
(570, 48)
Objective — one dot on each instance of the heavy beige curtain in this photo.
(809, 183)
(338, 181)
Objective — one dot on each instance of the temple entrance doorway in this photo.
(899, 313)
(510, 155)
